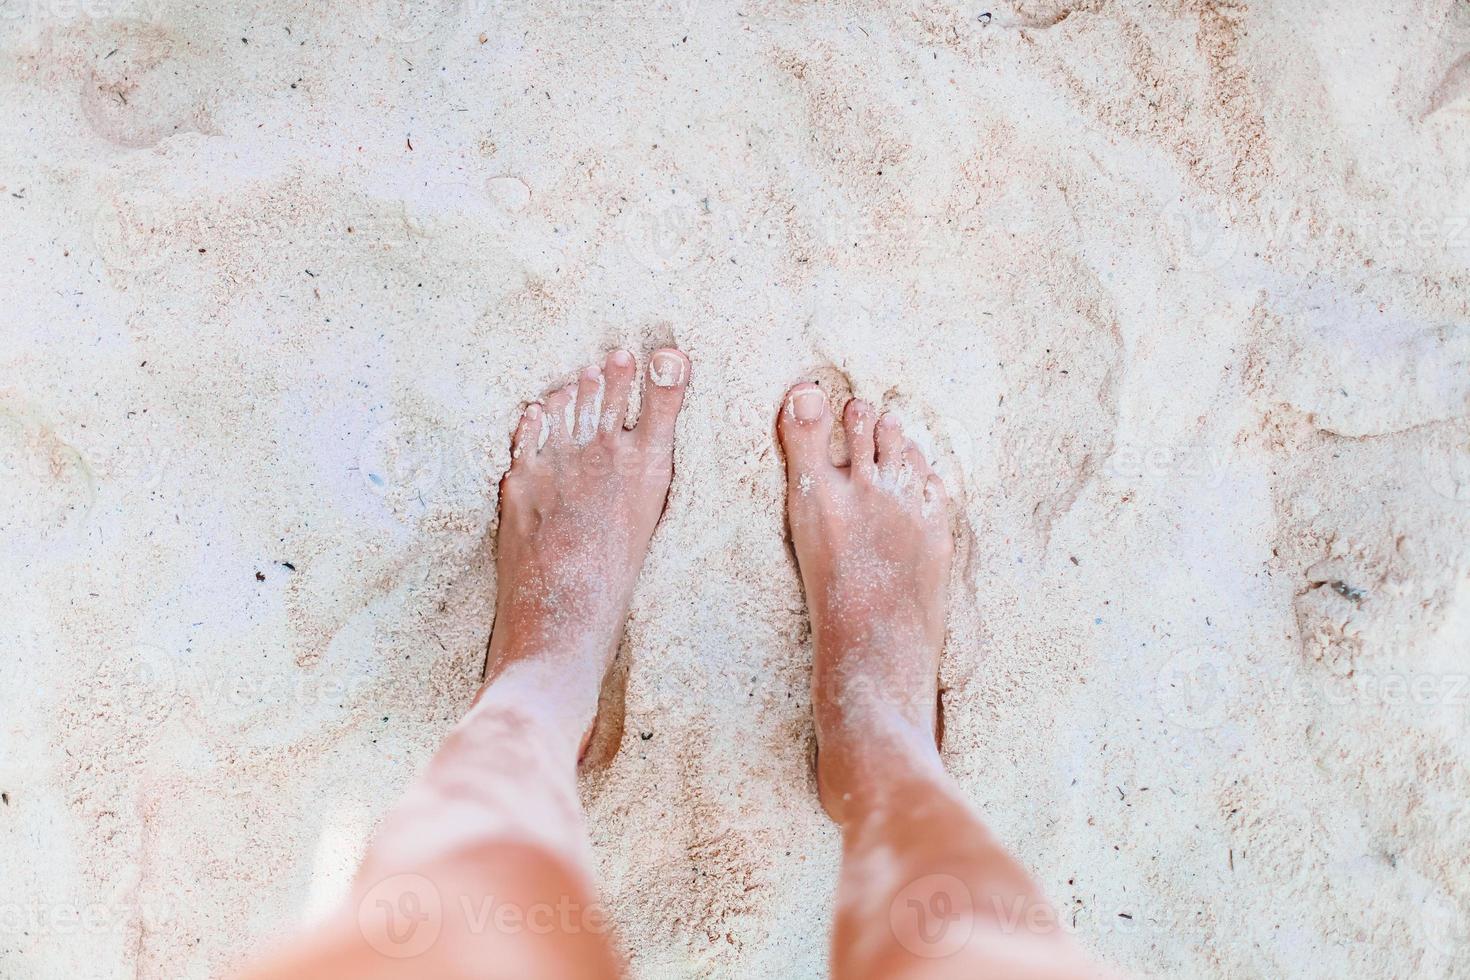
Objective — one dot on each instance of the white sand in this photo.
(1177, 289)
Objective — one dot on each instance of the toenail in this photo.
(807, 405)
(666, 369)
(620, 358)
(533, 411)
(592, 373)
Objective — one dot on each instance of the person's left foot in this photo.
(577, 509)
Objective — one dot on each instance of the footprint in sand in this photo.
(1445, 458)
(134, 230)
(413, 21)
(143, 86)
(47, 490)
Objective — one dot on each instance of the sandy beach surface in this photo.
(1177, 293)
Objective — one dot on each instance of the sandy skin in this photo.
(483, 869)
(925, 891)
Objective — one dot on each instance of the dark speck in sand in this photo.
(260, 576)
(645, 735)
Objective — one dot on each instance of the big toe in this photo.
(664, 385)
(806, 430)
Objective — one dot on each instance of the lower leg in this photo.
(482, 870)
(926, 891)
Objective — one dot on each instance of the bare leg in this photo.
(482, 870)
(925, 890)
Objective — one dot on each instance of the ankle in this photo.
(866, 758)
(552, 697)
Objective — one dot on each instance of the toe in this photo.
(617, 375)
(857, 423)
(527, 438)
(589, 405)
(891, 443)
(558, 417)
(663, 395)
(913, 470)
(936, 501)
(916, 462)
(806, 428)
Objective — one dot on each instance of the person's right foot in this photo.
(577, 509)
(874, 544)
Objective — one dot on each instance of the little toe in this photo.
(617, 373)
(936, 500)
(916, 461)
(857, 423)
(806, 429)
(664, 385)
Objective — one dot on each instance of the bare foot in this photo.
(874, 544)
(577, 509)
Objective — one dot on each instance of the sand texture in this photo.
(1176, 292)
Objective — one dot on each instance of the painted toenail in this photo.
(620, 358)
(666, 369)
(807, 405)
